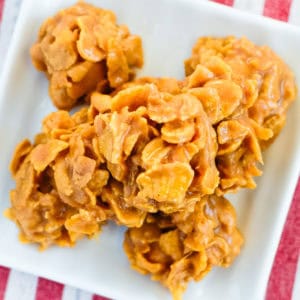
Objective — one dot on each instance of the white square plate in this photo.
(169, 29)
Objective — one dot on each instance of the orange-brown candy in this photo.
(82, 49)
(160, 146)
(245, 90)
(58, 180)
(184, 246)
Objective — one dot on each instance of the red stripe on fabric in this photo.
(47, 289)
(277, 9)
(1, 8)
(281, 281)
(226, 2)
(4, 273)
(96, 297)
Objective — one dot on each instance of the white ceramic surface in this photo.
(168, 28)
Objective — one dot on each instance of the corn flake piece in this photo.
(21, 151)
(155, 152)
(57, 120)
(59, 53)
(42, 155)
(102, 103)
(25, 183)
(117, 171)
(170, 244)
(123, 214)
(83, 170)
(133, 50)
(199, 77)
(163, 84)
(98, 181)
(118, 133)
(87, 43)
(168, 108)
(82, 223)
(132, 97)
(118, 69)
(219, 67)
(62, 179)
(178, 132)
(183, 270)
(211, 102)
(166, 183)
(183, 153)
(94, 74)
(230, 95)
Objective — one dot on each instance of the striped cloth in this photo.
(282, 283)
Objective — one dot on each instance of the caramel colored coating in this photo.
(58, 180)
(82, 49)
(146, 136)
(245, 90)
(184, 246)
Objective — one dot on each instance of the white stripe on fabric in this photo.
(294, 17)
(83, 295)
(251, 6)
(296, 289)
(20, 286)
(71, 293)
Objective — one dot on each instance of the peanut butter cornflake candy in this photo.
(161, 146)
(58, 181)
(245, 90)
(82, 49)
(177, 248)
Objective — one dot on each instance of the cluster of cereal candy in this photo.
(257, 88)
(82, 49)
(57, 182)
(156, 155)
(185, 245)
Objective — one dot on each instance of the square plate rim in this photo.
(235, 13)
